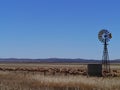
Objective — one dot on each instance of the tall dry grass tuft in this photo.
(81, 82)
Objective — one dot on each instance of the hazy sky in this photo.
(58, 28)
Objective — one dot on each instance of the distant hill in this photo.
(54, 60)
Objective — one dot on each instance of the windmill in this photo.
(104, 36)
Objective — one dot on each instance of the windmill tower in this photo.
(104, 36)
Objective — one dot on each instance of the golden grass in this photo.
(29, 81)
(82, 82)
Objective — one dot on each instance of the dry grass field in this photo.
(28, 76)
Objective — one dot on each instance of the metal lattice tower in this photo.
(104, 36)
(105, 59)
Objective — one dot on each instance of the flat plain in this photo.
(55, 76)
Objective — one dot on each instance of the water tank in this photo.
(95, 70)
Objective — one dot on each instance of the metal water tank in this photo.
(95, 70)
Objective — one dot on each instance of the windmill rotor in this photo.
(104, 36)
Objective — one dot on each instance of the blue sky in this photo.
(58, 28)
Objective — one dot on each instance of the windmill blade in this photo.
(110, 35)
